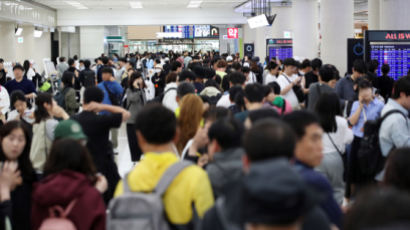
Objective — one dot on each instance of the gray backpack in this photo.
(134, 210)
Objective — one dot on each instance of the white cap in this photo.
(229, 58)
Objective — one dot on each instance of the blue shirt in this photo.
(372, 111)
(114, 87)
(25, 85)
(321, 185)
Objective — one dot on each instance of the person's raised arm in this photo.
(98, 107)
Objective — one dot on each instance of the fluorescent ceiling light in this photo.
(258, 21)
(18, 31)
(194, 4)
(37, 33)
(136, 5)
(77, 5)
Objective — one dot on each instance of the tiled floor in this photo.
(123, 158)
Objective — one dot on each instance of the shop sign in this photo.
(214, 32)
(233, 33)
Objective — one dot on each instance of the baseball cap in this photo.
(275, 194)
(229, 58)
(69, 129)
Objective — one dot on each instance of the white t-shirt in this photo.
(341, 137)
(150, 90)
(4, 100)
(224, 101)
(283, 82)
(270, 78)
(252, 78)
(30, 74)
(170, 96)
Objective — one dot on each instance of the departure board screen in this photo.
(396, 55)
(280, 52)
(187, 31)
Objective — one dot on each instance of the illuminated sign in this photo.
(278, 41)
(233, 33)
(214, 32)
(388, 36)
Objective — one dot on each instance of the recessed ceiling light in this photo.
(136, 5)
(77, 5)
(194, 4)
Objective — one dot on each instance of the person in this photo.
(397, 170)
(176, 66)
(371, 74)
(20, 83)
(345, 87)
(189, 119)
(170, 91)
(254, 99)
(305, 67)
(235, 79)
(221, 66)
(105, 64)
(275, 211)
(87, 76)
(29, 72)
(275, 100)
(97, 127)
(68, 92)
(73, 69)
(267, 140)
(20, 111)
(3, 73)
(337, 136)
(308, 155)
(186, 76)
(288, 80)
(394, 131)
(62, 66)
(15, 147)
(312, 76)
(112, 95)
(135, 101)
(71, 179)
(225, 153)
(326, 74)
(385, 83)
(363, 110)
(9, 180)
(122, 69)
(190, 194)
(382, 208)
(273, 73)
(43, 129)
(5, 100)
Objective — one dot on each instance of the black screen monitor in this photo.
(279, 48)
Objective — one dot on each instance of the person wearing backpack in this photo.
(72, 185)
(135, 100)
(365, 109)
(69, 101)
(187, 197)
(112, 96)
(170, 92)
(395, 130)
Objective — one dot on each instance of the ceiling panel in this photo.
(124, 4)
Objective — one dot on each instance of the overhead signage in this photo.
(233, 33)
(279, 41)
(169, 35)
(388, 36)
(214, 32)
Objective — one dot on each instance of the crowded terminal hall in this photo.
(205, 115)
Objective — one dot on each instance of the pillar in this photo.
(336, 20)
(394, 14)
(374, 14)
(8, 41)
(305, 28)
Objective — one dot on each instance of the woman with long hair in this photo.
(43, 129)
(71, 179)
(189, 120)
(68, 92)
(15, 147)
(336, 136)
(136, 99)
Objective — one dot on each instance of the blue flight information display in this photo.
(187, 31)
(280, 52)
(396, 55)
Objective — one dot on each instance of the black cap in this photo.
(290, 62)
(275, 194)
(18, 66)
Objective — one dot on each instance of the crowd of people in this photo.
(216, 142)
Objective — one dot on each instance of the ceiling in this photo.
(125, 4)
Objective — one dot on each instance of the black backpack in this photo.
(159, 98)
(113, 98)
(370, 158)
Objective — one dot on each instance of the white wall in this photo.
(70, 44)
(32, 48)
(91, 41)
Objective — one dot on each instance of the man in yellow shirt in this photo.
(190, 194)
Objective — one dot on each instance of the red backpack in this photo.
(59, 221)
